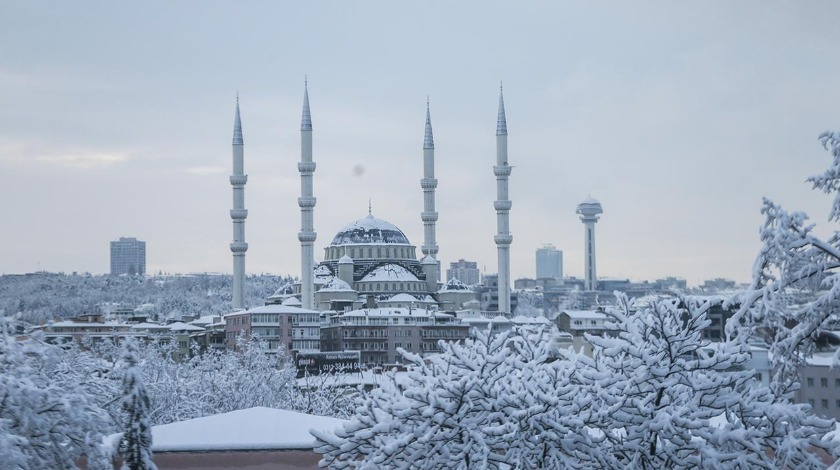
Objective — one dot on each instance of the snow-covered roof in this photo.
(370, 230)
(428, 260)
(390, 272)
(584, 315)
(292, 302)
(181, 326)
(282, 308)
(336, 285)
(67, 323)
(256, 428)
(149, 326)
(345, 259)
(523, 320)
(821, 359)
(393, 313)
(480, 319)
(454, 285)
(205, 320)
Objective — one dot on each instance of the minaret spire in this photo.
(429, 139)
(306, 117)
(306, 202)
(501, 121)
(502, 205)
(238, 213)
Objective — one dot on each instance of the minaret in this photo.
(429, 183)
(589, 210)
(238, 213)
(502, 205)
(306, 201)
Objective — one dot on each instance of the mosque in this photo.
(370, 262)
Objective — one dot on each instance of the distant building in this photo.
(549, 262)
(128, 256)
(464, 271)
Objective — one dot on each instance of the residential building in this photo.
(464, 271)
(128, 256)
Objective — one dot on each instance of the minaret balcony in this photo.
(503, 239)
(238, 247)
(502, 205)
(307, 237)
(306, 202)
(429, 216)
(428, 183)
(238, 180)
(502, 170)
(238, 214)
(306, 167)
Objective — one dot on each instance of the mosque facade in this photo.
(370, 263)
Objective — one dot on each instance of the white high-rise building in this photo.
(128, 256)
(549, 262)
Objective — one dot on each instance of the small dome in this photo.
(345, 260)
(370, 230)
(336, 285)
(455, 285)
(429, 260)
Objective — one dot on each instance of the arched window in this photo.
(378, 287)
(370, 252)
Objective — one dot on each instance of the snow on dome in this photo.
(454, 285)
(323, 275)
(403, 297)
(345, 260)
(428, 260)
(336, 285)
(370, 230)
(390, 272)
(590, 200)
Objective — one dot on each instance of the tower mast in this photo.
(502, 205)
(306, 201)
(238, 213)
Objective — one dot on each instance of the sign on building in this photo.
(327, 362)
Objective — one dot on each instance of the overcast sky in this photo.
(116, 120)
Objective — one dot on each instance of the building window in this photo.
(837, 383)
(823, 382)
(810, 382)
(824, 403)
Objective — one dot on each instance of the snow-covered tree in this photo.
(794, 257)
(666, 398)
(498, 401)
(43, 423)
(136, 444)
(655, 395)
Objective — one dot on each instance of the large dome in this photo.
(370, 230)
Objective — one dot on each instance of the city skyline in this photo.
(678, 118)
